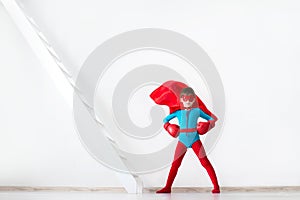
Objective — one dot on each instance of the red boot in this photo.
(216, 190)
(164, 190)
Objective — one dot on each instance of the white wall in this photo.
(254, 45)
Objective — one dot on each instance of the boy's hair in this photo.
(187, 90)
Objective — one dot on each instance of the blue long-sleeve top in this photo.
(187, 120)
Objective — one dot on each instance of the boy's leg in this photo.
(179, 154)
(200, 152)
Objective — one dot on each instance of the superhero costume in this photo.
(169, 94)
(188, 122)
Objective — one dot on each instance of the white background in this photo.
(255, 46)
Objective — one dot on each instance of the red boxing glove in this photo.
(204, 127)
(172, 129)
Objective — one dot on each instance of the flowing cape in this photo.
(169, 94)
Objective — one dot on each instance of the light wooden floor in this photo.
(51, 195)
(85, 193)
(276, 189)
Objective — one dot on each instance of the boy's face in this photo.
(187, 100)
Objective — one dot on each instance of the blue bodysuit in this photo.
(188, 120)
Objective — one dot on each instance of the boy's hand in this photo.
(172, 129)
(204, 127)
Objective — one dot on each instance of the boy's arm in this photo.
(170, 116)
(205, 116)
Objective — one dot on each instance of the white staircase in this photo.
(65, 83)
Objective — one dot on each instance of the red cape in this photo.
(169, 94)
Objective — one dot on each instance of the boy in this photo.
(188, 136)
